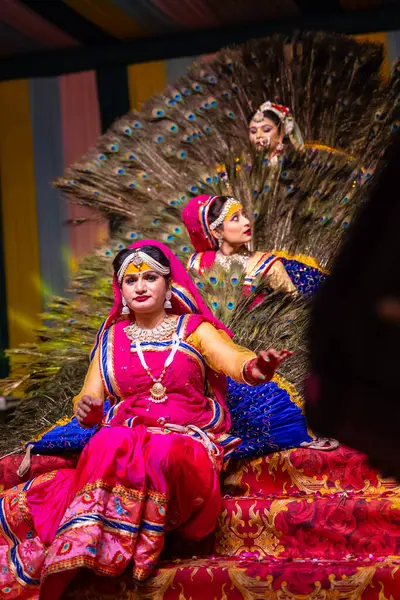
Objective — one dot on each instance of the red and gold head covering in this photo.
(196, 220)
(290, 127)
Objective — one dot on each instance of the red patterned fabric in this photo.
(300, 523)
(232, 579)
(304, 471)
(315, 528)
(39, 464)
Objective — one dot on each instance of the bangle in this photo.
(247, 372)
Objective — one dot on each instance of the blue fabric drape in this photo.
(176, 67)
(50, 205)
(393, 38)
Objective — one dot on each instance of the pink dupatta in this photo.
(185, 300)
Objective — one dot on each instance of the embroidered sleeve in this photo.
(93, 385)
(220, 352)
(278, 279)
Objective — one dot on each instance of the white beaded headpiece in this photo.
(230, 202)
(138, 258)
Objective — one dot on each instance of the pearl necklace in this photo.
(158, 392)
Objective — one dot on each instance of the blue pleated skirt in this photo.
(307, 279)
(266, 417)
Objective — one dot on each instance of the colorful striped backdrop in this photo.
(46, 124)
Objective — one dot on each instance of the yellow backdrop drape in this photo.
(144, 80)
(109, 17)
(18, 202)
(378, 38)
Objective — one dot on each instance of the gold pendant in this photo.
(158, 392)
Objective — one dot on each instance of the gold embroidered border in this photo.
(24, 510)
(295, 397)
(118, 490)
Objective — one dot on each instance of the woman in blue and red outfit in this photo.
(269, 417)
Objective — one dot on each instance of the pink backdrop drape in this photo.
(80, 112)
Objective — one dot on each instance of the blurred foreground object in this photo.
(353, 393)
(8, 405)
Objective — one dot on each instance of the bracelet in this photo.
(247, 372)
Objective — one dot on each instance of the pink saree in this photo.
(150, 469)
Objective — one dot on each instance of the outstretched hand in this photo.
(266, 363)
(89, 411)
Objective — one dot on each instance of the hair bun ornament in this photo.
(265, 106)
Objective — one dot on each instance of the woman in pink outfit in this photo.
(154, 464)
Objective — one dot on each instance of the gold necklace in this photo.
(226, 262)
(158, 392)
(164, 331)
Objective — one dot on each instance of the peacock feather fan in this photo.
(193, 139)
